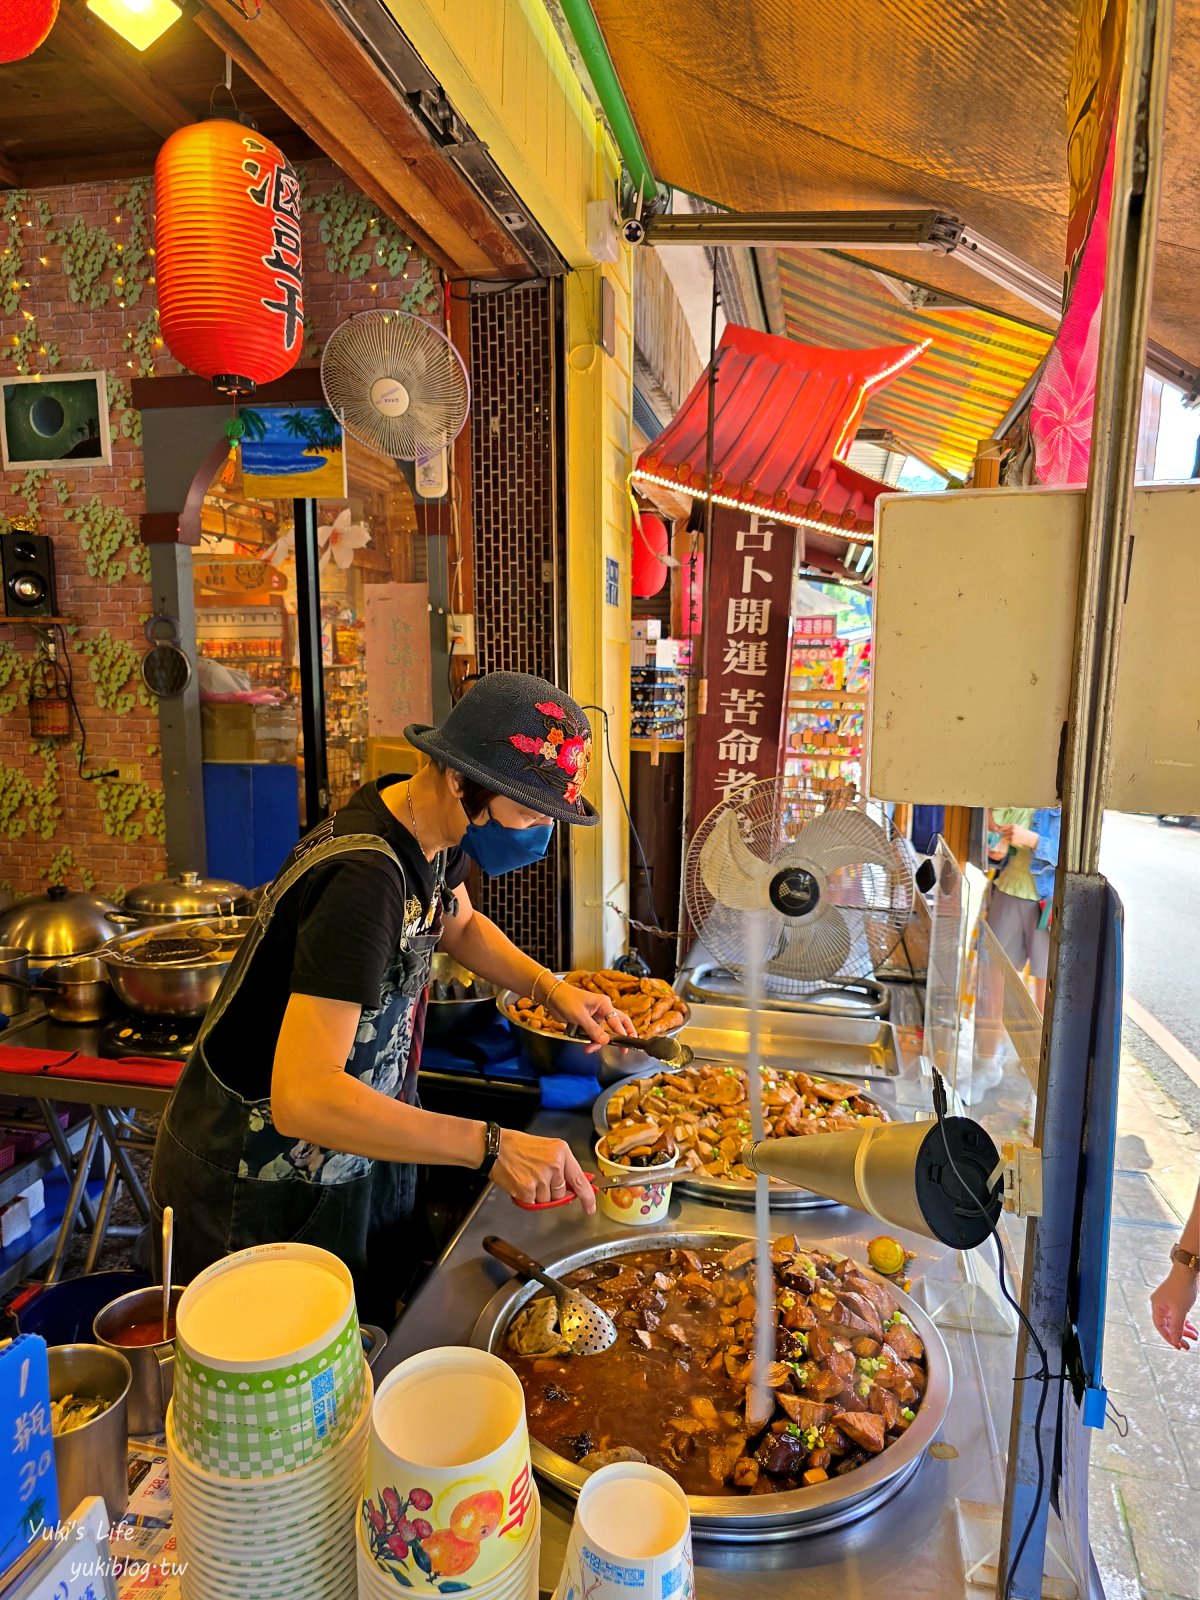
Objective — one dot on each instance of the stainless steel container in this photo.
(457, 998)
(93, 1459)
(58, 924)
(77, 991)
(751, 1518)
(152, 1365)
(554, 1052)
(174, 969)
(183, 898)
(14, 980)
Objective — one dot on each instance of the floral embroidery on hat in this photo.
(561, 754)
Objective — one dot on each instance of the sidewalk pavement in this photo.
(1145, 1487)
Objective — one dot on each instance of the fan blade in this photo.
(733, 875)
(845, 838)
(815, 947)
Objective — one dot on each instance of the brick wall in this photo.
(52, 824)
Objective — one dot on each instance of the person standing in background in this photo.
(1019, 907)
(1171, 1303)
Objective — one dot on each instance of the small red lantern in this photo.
(227, 239)
(24, 25)
(648, 570)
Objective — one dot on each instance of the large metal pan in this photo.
(757, 1517)
(175, 969)
(731, 1191)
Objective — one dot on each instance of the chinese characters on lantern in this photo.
(746, 656)
(277, 189)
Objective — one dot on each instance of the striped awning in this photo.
(956, 392)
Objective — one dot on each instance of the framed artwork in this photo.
(55, 422)
(292, 452)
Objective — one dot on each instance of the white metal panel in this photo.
(974, 620)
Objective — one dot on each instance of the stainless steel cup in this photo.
(14, 980)
(93, 1458)
(153, 1365)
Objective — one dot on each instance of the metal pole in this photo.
(312, 675)
(1077, 936)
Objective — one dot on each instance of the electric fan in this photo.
(829, 881)
(396, 383)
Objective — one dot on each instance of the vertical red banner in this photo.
(739, 739)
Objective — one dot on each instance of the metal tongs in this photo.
(635, 1178)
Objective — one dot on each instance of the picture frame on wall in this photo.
(59, 421)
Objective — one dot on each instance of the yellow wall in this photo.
(504, 68)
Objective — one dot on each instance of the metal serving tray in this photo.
(731, 1191)
(833, 1046)
(752, 1518)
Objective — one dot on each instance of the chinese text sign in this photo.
(399, 687)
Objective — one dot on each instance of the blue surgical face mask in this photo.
(498, 849)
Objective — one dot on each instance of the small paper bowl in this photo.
(641, 1205)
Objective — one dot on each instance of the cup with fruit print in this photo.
(449, 1504)
(638, 1205)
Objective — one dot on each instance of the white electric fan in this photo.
(832, 888)
(397, 384)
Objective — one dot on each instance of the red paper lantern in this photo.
(648, 570)
(227, 238)
(24, 25)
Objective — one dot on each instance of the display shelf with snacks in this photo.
(658, 702)
(253, 639)
(827, 705)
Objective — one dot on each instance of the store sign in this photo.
(747, 656)
(815, 628)
(399, 683)
(234, 577)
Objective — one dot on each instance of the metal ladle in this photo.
(583, 1325)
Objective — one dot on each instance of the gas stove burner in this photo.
(159, 1038)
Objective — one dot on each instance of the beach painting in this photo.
(292, 452)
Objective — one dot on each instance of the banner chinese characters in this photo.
(747, 656)
(398, 658)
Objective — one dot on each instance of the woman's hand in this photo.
(1019, 838)
(534, 1170)
(589, 1013)
(1170, 1304)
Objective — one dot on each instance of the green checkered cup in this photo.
(269, 1368)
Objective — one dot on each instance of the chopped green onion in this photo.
(794, 1431)
(908, 1413)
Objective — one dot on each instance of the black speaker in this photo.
(27, 570)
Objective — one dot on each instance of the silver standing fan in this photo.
(397, 384)
(832, 887)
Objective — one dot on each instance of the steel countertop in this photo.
(908, 1547)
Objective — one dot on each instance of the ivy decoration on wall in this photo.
(116, 672)
(136, 253)
(110, 541)
(130, 810)
(12, 251)
(125, 418)
(356, 237)
(144, 344)
(26, 807)
(62, 865)
(90, 262)
(14, 678)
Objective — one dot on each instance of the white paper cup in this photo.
(449, 1494)
(631, 1536)
(641, 1205)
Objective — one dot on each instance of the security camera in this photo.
(633, 231)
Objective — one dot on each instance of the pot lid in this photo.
(188, 895)
(61, 922)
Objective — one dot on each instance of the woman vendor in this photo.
(299, 1096)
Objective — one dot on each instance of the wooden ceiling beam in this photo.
(93, 48)
(10, 178)
(300, 54)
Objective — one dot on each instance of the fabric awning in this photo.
(958, 390)
(785, 413)
(766, 105)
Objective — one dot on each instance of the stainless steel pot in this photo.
(77, 991)
(14, 980)
(174, 969)
(457, 998)
(183, 898)
(58, 924)
(93, 1459)
(557, 1052)
(152, 1365)
(757, 1517)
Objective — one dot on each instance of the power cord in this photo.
(63, 665)
(637, 839)
(1042, 1374)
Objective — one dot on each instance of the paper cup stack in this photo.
(449, 1504)
(268, 1426)
(632, 1536)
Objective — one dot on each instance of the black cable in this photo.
(637, 838)
(69, 675)
(1042, 1375)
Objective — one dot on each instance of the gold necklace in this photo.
(412, 817)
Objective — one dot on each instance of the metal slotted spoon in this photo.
(583, 1325)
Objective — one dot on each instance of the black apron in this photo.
(235, 1181)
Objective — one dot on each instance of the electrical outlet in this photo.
(128, 771)
(460, 633)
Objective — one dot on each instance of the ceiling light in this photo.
(140, 22)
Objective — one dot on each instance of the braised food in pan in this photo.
(706, 1109)
(650, 1003)
(678, 1388)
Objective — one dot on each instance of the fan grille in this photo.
(396, 383)
(779, 832)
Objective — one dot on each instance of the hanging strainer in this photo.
(166, 670)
